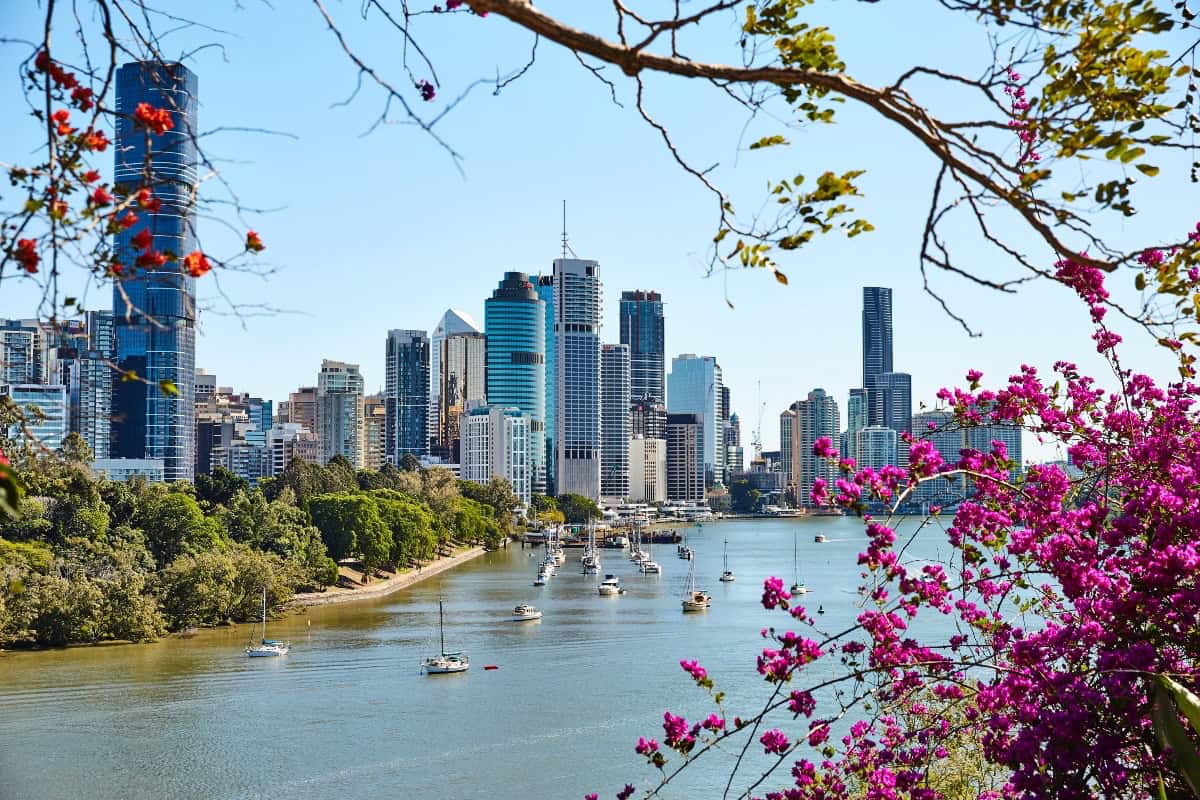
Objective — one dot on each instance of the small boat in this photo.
(611, 585)
(727, 575)
(820, 538)
(445, 663)
(686, 553)
(525, 613)
(693, 598)
(267, 647)
(490, 666)
(798, 586)
(651, 567)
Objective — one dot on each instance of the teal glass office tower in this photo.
(514, 319)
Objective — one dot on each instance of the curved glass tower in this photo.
(514, 319)
(154, 310)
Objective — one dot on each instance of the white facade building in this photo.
(577, 309)
(495, 442)
(647, 470)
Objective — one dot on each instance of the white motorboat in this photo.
(651, 567)
(820, 538)
(693, 598)
(445, 662)
(619, 541)
(686, 553)
(611, 585)
(525, 613)
(727, 575)
(267, 647)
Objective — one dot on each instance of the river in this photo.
(348, 714)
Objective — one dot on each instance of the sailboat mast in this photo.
(442, 626)
(264, 613)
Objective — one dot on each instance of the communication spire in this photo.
(566, 248)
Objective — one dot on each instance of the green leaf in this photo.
(769, 141)
(1147, 169)
(1162, 788)
(1188, 703)
(168, 388)
(1172, 734)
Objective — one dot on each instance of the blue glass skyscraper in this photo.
(406, 394)
(514, 319)
(154, 310)
(642, 329)
(876, 333)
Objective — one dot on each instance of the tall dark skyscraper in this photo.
(154, 310)
(406, 394)
(876, 333)
(514, 318)
(643, 330)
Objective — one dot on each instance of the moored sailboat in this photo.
(727, 575)
(693, 598)
(267, 647)
(445, 662)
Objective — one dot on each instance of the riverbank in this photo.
(381, 588)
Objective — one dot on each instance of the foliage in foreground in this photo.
(88, 560)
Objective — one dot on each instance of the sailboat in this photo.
(267, 647)
(797, 586)
(727, 576)
(693, 598)
(446, 662)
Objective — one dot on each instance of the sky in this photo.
(369, 231)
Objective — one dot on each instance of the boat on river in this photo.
(525, 613)
(611, 585)
(727, 575)
(693, 598)
(267, 648)
(798, 586)
(446, 662)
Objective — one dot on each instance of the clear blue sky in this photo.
(381, 231)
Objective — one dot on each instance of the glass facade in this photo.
(876, 333)
(694, 387)
(463, 375)
(339, 412)
(45, 410)
(452, 322)
(514, 318)
(642, 328)
(816, 416)
(154, 310)
(406, 394)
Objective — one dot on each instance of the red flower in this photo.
(156, 120)
(196, 263)
(95, 140)
(26, 254)
(253, 243)
(42, 61)
(151, 259)
(147, 200)
(143, 239)
(116, 268)
(91, 176)
(101, 197)
(83, 98)
(61, 118)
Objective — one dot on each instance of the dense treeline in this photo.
(86, 559)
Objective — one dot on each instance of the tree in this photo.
(219, 487)
(174, 525)
(350, 525)
(577, 508)
(496, 493)
(409, 463)
(743, 499)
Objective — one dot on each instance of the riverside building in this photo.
(577, 319)
(406, 394)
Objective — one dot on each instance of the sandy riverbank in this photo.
(380, 588)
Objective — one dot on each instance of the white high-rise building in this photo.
(694, 387)
(876, 447)
(578, 310)
(816, 416)
(340, 412)
(614, 428)
(647, 470)
(45, 409)
(496, 442)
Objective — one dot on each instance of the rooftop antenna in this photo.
(566, 248)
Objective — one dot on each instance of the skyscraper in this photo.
(514, 318)
(948, 437)
(545, 291)
(787, 427)
(577, 320)
(406, 394)
(339, 409)
(463, 376)
(495, 443)
(642, 328)
(876, 447)
(816, 416)
(80, 361)
(876, 333)
(694, 387)
(685, 457)
(22, 351)
(154, 310)
(856, 420)
(614, 420)
(374, 432)
(891, 400)
(452, 322)
(648, 417)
